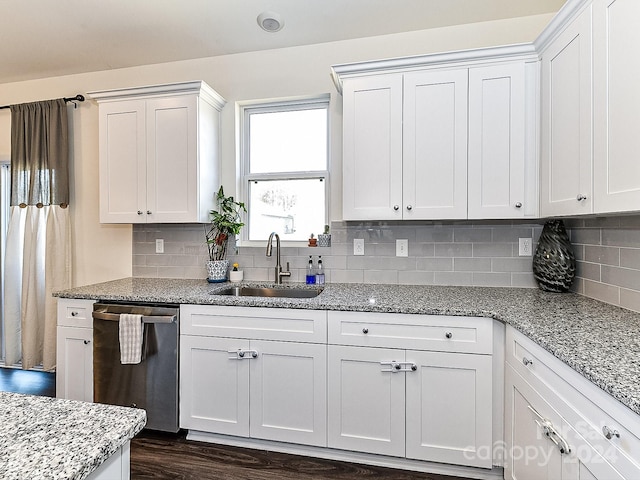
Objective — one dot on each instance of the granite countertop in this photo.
(599, 341)
(50, 438)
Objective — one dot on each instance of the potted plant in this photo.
(225, 222)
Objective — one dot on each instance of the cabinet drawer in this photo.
(587, 408)
(254, 323)
(75, 313)
(418, 332)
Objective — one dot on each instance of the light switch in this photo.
(402, 247)
(358, 246)
(159, 245)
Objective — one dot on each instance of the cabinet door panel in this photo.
(289, 392)
(530, 454)
(616, 105)
(497, 141)
(372, 164)
(74, 372)
(566, 159)
(122, 162)
(172, 158)
(449, 408)
(366, 404)
(214, 387)
(435, 144)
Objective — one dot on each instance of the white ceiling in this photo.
(43, 38)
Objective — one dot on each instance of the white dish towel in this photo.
(130, 338)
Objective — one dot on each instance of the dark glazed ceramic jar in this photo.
(554, 264)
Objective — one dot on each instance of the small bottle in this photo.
(320, 272)
(311, 273)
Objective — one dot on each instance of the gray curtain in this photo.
(37, 260)
(40, 153)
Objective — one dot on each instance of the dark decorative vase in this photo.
(554, 264)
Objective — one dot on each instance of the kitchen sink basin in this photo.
(270, 292)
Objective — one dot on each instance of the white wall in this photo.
(103, 252)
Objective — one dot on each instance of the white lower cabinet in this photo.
(74, 350)
(419, 404)
(246, 387)
(557, 423)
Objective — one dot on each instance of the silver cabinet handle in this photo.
(397, 367)
(396, 207)
(242, 354)
(526, 361)
(87, 342)
(550, 431)
(148, 212)
(365, 330)
(581, 197)
(448, 335)
(74, 314)
(409, 207)
(139, 212)
(609, 433)
(518, 204)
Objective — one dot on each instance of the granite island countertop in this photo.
(598, 340)
(50, 438)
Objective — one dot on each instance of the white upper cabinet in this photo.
(566, 139)
(616, 109)
(502, 153)
(434, 168)
(372, 148)
(441, 136)
(159, 150)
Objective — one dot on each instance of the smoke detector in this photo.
(270, 22)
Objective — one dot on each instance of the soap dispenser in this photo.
(311, 273)
(320, 272)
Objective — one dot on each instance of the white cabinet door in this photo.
(435, 144)
(449, 400)
(530, 454)
(288, 390)
(566, 138)
(372, 148)
(123, 160)
(497, 114)
(616, 110)
(172, 158)
(366, 403)
(214, 385)
(74, 370)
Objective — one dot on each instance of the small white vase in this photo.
(236, 276)
(217, 270)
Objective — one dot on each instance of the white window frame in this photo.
(244, 110)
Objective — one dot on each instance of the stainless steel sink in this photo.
(270, 292)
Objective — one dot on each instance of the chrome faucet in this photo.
(278, 269)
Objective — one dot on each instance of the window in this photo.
(285, 168)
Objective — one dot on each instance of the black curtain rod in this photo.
(77, 98)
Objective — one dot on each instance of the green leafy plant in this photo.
(225, 222)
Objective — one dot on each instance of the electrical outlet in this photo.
(159, 245)
(402, 247)
(358, 246)
(525, 246)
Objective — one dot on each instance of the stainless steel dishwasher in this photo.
(153, 383)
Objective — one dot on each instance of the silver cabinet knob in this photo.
(241, 354)
(609, 433)
(397, 366)
(409, 207)
(74, 314)
(448, 334)
(254, 354)
(518, 204)
(139, 212)
(526, 361)
(581, 197)
(396, 207)
(414, 368)
(87, 342)
(365, 330)
(148, 212)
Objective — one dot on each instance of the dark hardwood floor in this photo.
(27, 381)
(164, 456)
